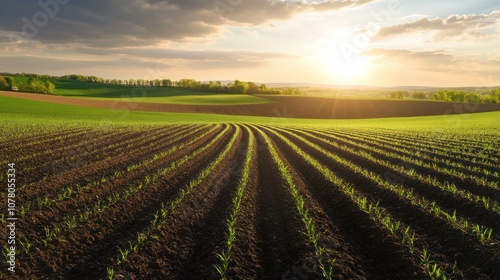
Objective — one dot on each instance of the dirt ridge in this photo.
(284, 107)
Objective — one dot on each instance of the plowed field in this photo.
(283, 107)
(243, 201)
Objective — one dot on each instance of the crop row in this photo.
(226, 254)
(100, 206)
(405, 194)
(170, 206)
(379, 215)
(446, 159)
(404, 171)
(439, 211)
(466, 151)
(72, 190)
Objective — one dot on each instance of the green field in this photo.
(170, 95)
(15, 110)
(427, 186)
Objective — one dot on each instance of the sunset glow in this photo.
(379, 43)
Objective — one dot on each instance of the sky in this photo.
(344, 42)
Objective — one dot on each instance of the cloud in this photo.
(435, 67)
(39, 64)
(206, 59)
(263, 11)
(135, 59)
(458, 26)
(8, 39)
(435, 61)
(165, 53)
(117, 23)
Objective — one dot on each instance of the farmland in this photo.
(170, 95)
(249, 140)
(279, 107)
(172, 196)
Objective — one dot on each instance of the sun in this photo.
(352, 67)
(339, 60)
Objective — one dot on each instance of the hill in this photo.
(283, 107)
(163, 95)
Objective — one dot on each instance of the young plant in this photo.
(26, 245)
(110, 273)
(224, 266)
(310, 226)
(156, 222)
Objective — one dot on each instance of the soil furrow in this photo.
(357, 233)
(196, 229)
(478, 261)
(410, 151)
(92, 173)
(282, 245)
(75, 160)
(90, 248)
(245, 262)
(435, 149)
(473, 211)
(45, 167)
(58, 211)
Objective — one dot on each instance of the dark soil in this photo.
(270, 239)
(285, 107)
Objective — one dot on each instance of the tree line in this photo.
(485, 96)
(236, 87)
(34, 84)
(42, 84)
(28, 84)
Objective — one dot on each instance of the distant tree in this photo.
(464, 96)
(457, 96)
(287, 91)
(49, 86)
(36, 85)
(3, 84)
(263, 88)
(212, 86)
(441, 95)
(419, 95)
(9, 81)
(253, 88)
(495, 95)
(238, 87)
(166, 83)
(397, 95)
(188, 83)
(472, 97)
